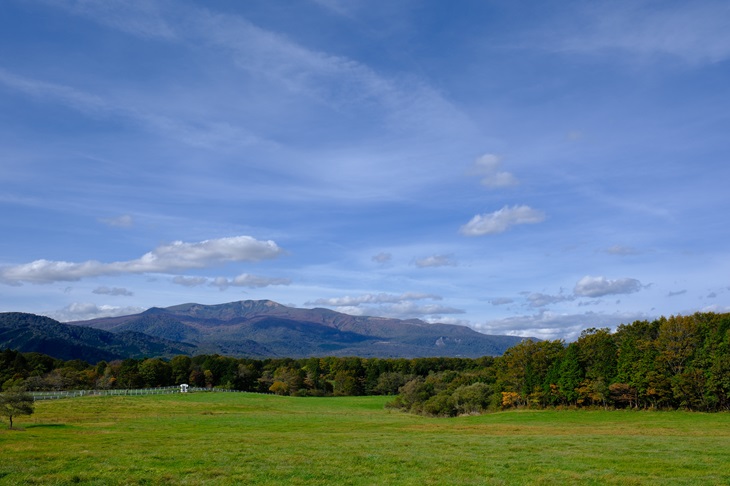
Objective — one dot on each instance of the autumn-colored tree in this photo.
(511, 399)
(279, 387)
(623, 395)
(523, 368)
(676, 342)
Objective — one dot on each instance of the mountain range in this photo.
(31, 333)
(250, 328)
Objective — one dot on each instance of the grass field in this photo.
(238, 438)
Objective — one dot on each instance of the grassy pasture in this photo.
(238, 438)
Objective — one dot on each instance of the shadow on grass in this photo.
(45, 426)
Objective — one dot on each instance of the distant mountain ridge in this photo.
(32, 333)
(263, 328)
(248, 328)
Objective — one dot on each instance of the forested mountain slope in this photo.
(32, 333)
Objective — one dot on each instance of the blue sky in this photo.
(528, 168)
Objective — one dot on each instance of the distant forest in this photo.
(680, 362)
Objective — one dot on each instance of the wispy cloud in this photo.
(590, 286)
(164, 259)
(401, 306)
(381, 298)
(139, 18)
(90, 104)
(695, 32)
(436, 261)
(501, 220)
(115, 291)
(537, 299)
(249, 281)
(189, 281)
(332, 80)
(488, 168)
(81, 311)
(382, 257)
(244, 280)
(123, 221)
(207, 133)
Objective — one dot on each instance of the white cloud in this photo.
(501, 220)
(717, 309)
(248, 280)
(79, 311)
(407, 310)
(403, 306)
(436, 261)
(112, 291)
(537, 299)
(550, 325)
(381, 298)
(488, 168)
(403, 310)
(189, 281)
(164, 259)
(501, 301)
(124, 221)
(599, 286)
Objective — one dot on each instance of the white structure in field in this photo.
(184, 388)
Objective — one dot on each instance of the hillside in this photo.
(267, 329)
(32, 333)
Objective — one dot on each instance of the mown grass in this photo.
(217, 438)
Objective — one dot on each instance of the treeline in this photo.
(680, 362)
(296, 377)
(676, 362)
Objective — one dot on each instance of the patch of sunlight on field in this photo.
(238, 438)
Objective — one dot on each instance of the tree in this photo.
(470, 399)
(677, 342)
(571, 374)
(15, 401)
(597, 354)
(155, 372)
(524, 367)
(180, 369)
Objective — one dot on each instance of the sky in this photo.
(518, 167)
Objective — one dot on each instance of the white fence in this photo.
(55, 395)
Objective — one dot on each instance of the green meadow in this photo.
(240, 438)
